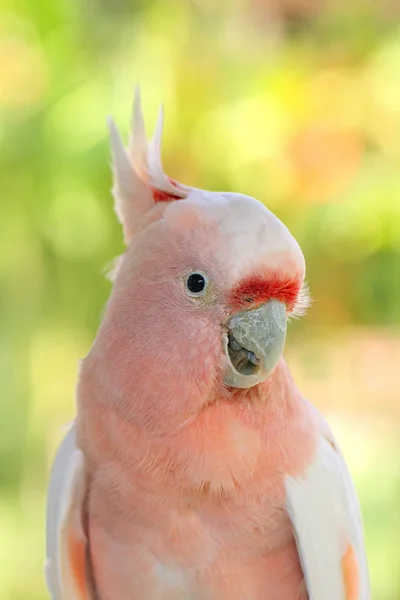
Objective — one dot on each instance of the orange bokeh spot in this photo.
(324, 160)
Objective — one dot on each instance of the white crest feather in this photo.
(156, 172)
(138, 172)
(122, 168)
(138, 146)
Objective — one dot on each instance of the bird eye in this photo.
(196, 283)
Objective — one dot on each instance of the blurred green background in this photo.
(296, 102)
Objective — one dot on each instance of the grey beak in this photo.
(254, 344)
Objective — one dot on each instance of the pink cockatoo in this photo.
(195, 469)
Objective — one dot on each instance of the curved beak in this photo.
(254, 343)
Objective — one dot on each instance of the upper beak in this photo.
(254, 343)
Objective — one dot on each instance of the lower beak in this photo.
(254, 343)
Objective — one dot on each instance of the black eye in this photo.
(196, 282)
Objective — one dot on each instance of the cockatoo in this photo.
(195, 469)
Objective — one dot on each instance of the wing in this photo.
(324, 510)
(66, 567)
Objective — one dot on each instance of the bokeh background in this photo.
(296, 102)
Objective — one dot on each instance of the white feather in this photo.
(326, 517)
(138, 170)
(157, 176)
(133, 197)
(123, 171)
(138, 146)
(65, 498)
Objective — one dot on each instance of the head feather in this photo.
(159, 181)
(303, 302)
(139, 178)
(138, 145)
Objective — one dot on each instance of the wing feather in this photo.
(66, 543)
(325, 513)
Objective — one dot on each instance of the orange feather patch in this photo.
(350, 574)
(77, 561)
